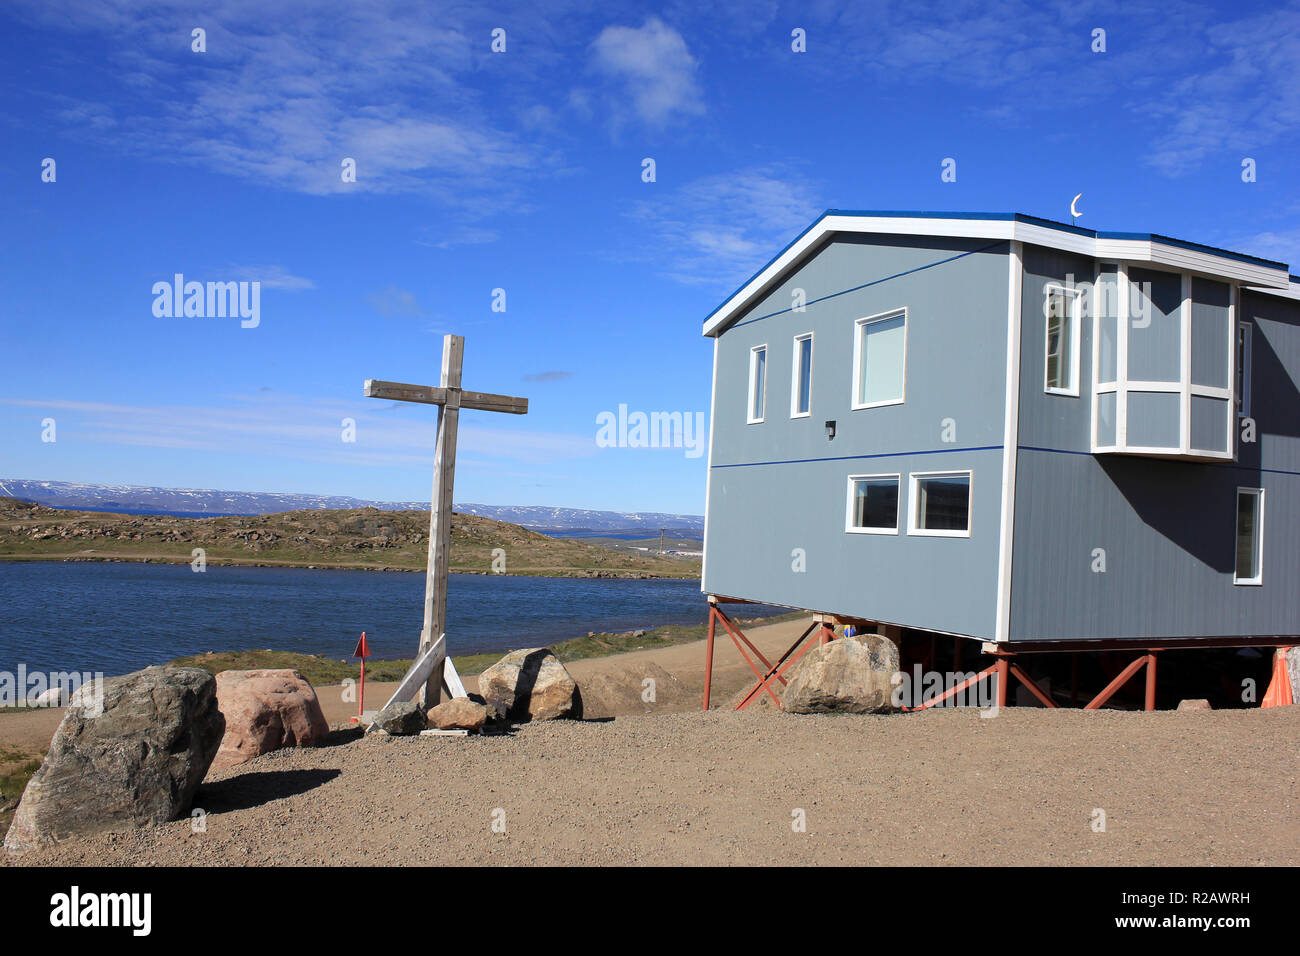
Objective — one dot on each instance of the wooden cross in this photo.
(432, 666)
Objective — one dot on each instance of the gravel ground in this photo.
(939, 787)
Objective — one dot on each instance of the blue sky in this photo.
(522, 171)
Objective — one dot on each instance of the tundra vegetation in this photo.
(360, 538)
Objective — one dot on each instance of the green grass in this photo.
(16, 768)
(320, 670)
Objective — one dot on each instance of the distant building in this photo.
(1009, 429)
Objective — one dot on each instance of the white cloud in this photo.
(273, 277)
(719, 229)
(392, 301)
(284, 93)
(656, 71)
(306, 429)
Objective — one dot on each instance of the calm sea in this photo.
(117, 618)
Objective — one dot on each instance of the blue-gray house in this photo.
(1009, 429)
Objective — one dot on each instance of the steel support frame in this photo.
(820, 629)
(1002, 670)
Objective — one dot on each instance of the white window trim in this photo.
(1183, 387)
(767, 373)
(1258, 579)
(1076, 337)
(858, 326)
(914, 499)
(848, 511)
(794, 376)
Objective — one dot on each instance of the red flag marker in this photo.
(362, 651)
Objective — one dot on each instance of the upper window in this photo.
(757, 383)
(801, 381)
(879, 359)
(873, 504)
(1061, 307)
(940, 504)
(1250, 536)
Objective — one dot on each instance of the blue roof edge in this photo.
(1007, 217)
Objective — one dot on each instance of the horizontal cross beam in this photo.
(437, 395)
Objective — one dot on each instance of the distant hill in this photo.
(199, 502)
(365, 538)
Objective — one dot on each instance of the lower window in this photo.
(873, 504)
(940, 504)
(1250, 536)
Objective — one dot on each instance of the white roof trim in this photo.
(1292, 291)
(1127, 250)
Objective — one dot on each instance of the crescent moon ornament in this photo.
(1073, 203)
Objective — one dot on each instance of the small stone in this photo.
(460, 713)
(401, 719)
(1199, 703)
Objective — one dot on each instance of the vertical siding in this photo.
(781, 485)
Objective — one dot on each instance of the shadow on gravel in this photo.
(347, 735)
(253, 789)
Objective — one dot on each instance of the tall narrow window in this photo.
(940, 504)
(1243, 369)
(1061, 308)
(757, 382)
(880, 358)
(1250, 536)
(873, 504)
(801, 381)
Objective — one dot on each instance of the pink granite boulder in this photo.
(266, 710)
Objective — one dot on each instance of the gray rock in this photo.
(530, 684)
(133, 757)
(849, 674)
(54, 697)
(1293, 671)
(401, 719)
(1198, 703)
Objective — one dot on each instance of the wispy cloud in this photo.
(555, 376)
(284, 93)
(272, 277)
(304, 429)
(393, 302)
(719, 229)
(655, 72)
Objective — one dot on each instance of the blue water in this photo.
(120, 617)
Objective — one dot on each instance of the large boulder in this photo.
(530, 684)
(131, 757)
(266, 710)
(400, 719)
(849, 675)
(459, 713)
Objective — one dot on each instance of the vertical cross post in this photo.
(444, 473)
(431, 666)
